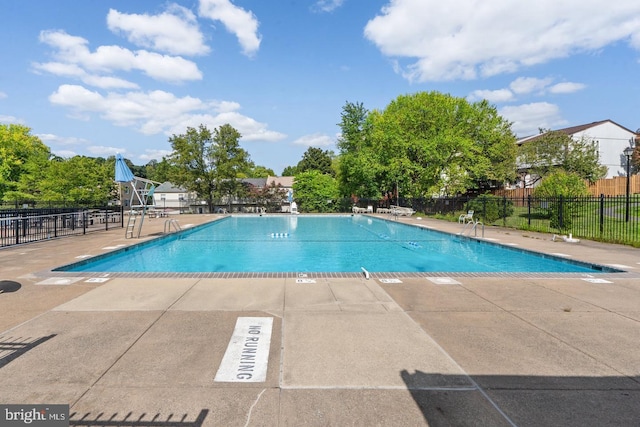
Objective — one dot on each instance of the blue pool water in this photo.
(320, 244)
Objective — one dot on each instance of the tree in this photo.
(229, 161)
(556, 150)
(359, 161)
(563, 192)
(207, 163)
(23, 158)
(259, 172)
(270, 197)
(159, 171)
(78, 180)
(316, 159)
(315, 192)
(561, 183)
(290, 171)
(423, 145)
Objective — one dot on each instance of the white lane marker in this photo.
(247, 356)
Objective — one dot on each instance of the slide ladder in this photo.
(134, 226)
(131, 225)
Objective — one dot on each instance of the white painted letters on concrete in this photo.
(247, 356)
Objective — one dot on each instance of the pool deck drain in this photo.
(492, 349)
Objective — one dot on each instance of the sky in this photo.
(97, 78)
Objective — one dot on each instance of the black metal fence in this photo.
(18, 226)
(608, 219)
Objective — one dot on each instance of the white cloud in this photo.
(315, 140)
(462, 39)
(74, 71)
(527, 119)
(523, 85)
(49, 138)
(500, 95)
(3, 95)
(236, 20)
(327, 5)
(102, 151)
(174, 31)
(566, 87)
(153, 155)
(75, 60)
(65, 154)
(11, 119)
(158, 111)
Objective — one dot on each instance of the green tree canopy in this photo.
(358, 163)
(316, 159)
(257, 171)
(159, 171)
(290, 171)
(208, 163)
(561, 183)
(79, 180)
(23, 158)
(426, 144)
(315, 192)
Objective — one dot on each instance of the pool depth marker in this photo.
(247, 356)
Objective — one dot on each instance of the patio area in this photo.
(393, 350)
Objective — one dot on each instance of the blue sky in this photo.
(103, 77)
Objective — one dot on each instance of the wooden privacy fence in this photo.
(610, 187)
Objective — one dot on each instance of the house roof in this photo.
(285, 181)
(573, 130)
(256, 182)
(167, 187)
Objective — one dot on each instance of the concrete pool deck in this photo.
(455, 350)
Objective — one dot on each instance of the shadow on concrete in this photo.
(11, 348)
(498, 400)
(142, 420)
(9, 286)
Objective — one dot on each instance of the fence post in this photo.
(561, 213)
(484, 208)
(17, 232)
(601, 219)
(529, 209)
(84, 221)
(504, 211)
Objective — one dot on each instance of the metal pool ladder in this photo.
(474, 227)
(169, 223)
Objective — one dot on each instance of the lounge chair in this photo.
(464, 218)
(402, 211)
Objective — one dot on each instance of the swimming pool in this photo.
(324, 243)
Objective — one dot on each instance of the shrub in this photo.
(564, 191)
(490, 208)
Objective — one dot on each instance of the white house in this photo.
(610, 138)
(167, 196)
(286, 183)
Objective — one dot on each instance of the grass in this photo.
(585, 220)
